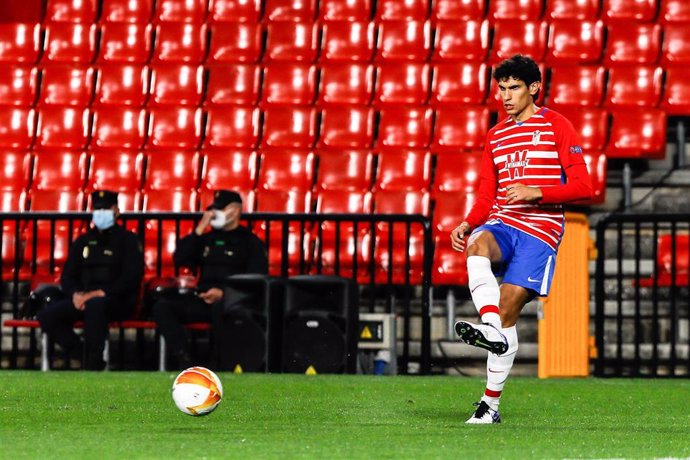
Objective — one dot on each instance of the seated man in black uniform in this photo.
(101, 279)
(228, 249)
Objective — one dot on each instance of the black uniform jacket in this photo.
(111, 260)
(222, 253)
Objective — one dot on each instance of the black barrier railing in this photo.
(641, 295)
(375, 250)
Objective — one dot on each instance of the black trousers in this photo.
(172, 313)
(57, 320)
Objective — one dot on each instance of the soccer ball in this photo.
(197, 391)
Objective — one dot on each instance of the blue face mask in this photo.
(103, 219)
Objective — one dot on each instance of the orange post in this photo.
(564, 320)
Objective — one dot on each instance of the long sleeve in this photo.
(258, 261)
(578, 185)
(70, 281)
(132, 270)
(486, 193)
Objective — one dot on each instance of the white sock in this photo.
(498, 368)
(484, 289)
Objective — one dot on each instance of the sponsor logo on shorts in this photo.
(575, 149)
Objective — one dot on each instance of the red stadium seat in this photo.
(525, 37)
(676, 99)
(234, 11)
(458, 172)
(66, 85)
(449, 265)
(453, 10)
(596, 165)
(179, 42)
(395, 10)
(459, 83)
(286, 169)
(19, 42)
(515, 10)
(630, 86)
(176, 85)
(290, 10)
(18, 85)
(396, 268)
(12, 201)
(674, 11)
(232, 127)
(172, 170)
(346, 83)
(291, 83)
(629, 11)
(336, 252)
(289, 41)
(404, 127)
(119, 170)
(69, 43)
(290, 202)
(192, 11)
(83, 11)
(229, 169)
(575, 42)
(235, 42)
(232, 84)
(576, 85)
(676, 47)
(289, 127)
(121, 84)
(638, 133)
(47, 261)
(460, 128)
(671, 250)
(633, 43)
(402, 83)
(17, 127)
(59, 170)
(15, 172)
(180, 200)
(345, 169)
(119, 127)
(338, 10)
(176, 128)
(127, 201)
(123, 42)
(347, 127)
(63, 127)
(347, 41)
(581, 10)
(461, 41)
(591, 123)
(404, 41)
(403, 169)
(126, 11)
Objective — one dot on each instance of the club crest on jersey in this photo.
(516, 163)
(536, 137)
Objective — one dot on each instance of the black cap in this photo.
(103, 199)
(222, 198)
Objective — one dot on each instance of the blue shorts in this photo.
(525, 260)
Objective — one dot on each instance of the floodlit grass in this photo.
(131, 415)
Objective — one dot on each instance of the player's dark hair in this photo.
(520, 68)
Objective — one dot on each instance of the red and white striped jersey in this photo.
(543, 151)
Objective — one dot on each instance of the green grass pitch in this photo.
(131, 415)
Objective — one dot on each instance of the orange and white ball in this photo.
(197, 391)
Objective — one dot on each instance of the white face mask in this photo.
(219, 219)
(103, 219)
